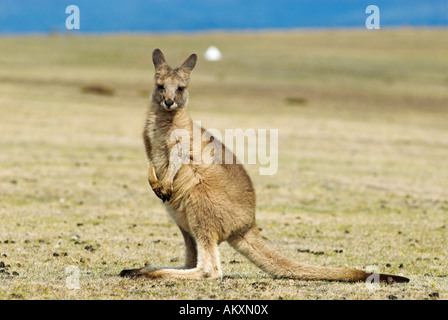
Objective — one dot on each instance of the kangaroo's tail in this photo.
(258, 251)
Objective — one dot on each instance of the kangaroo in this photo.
(210, 202)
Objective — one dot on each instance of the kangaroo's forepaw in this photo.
(166, 193)
(158, 190)
(163, 192)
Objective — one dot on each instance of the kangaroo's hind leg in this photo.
(208, 265)
(206, 236)
(191, 258)
(191, 252)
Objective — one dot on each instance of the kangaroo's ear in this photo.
(190, 63)
(158, 58)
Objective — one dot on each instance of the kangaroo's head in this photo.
(170, 91)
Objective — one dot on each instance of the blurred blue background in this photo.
(98, 16)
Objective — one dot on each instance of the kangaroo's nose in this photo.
(169, 102)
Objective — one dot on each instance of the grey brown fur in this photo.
(210, 203)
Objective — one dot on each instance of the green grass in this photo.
(363, 143)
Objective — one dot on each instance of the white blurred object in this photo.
(212, 54)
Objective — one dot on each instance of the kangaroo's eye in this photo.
(180, 89)
(160, 87)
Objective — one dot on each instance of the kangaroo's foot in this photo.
(208, 268)
(191, 274)
(140, 272)
(130, 273)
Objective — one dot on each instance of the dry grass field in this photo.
(362, 177)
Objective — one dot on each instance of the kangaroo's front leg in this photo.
(153, 181)
(163, 189)
(180, 151)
